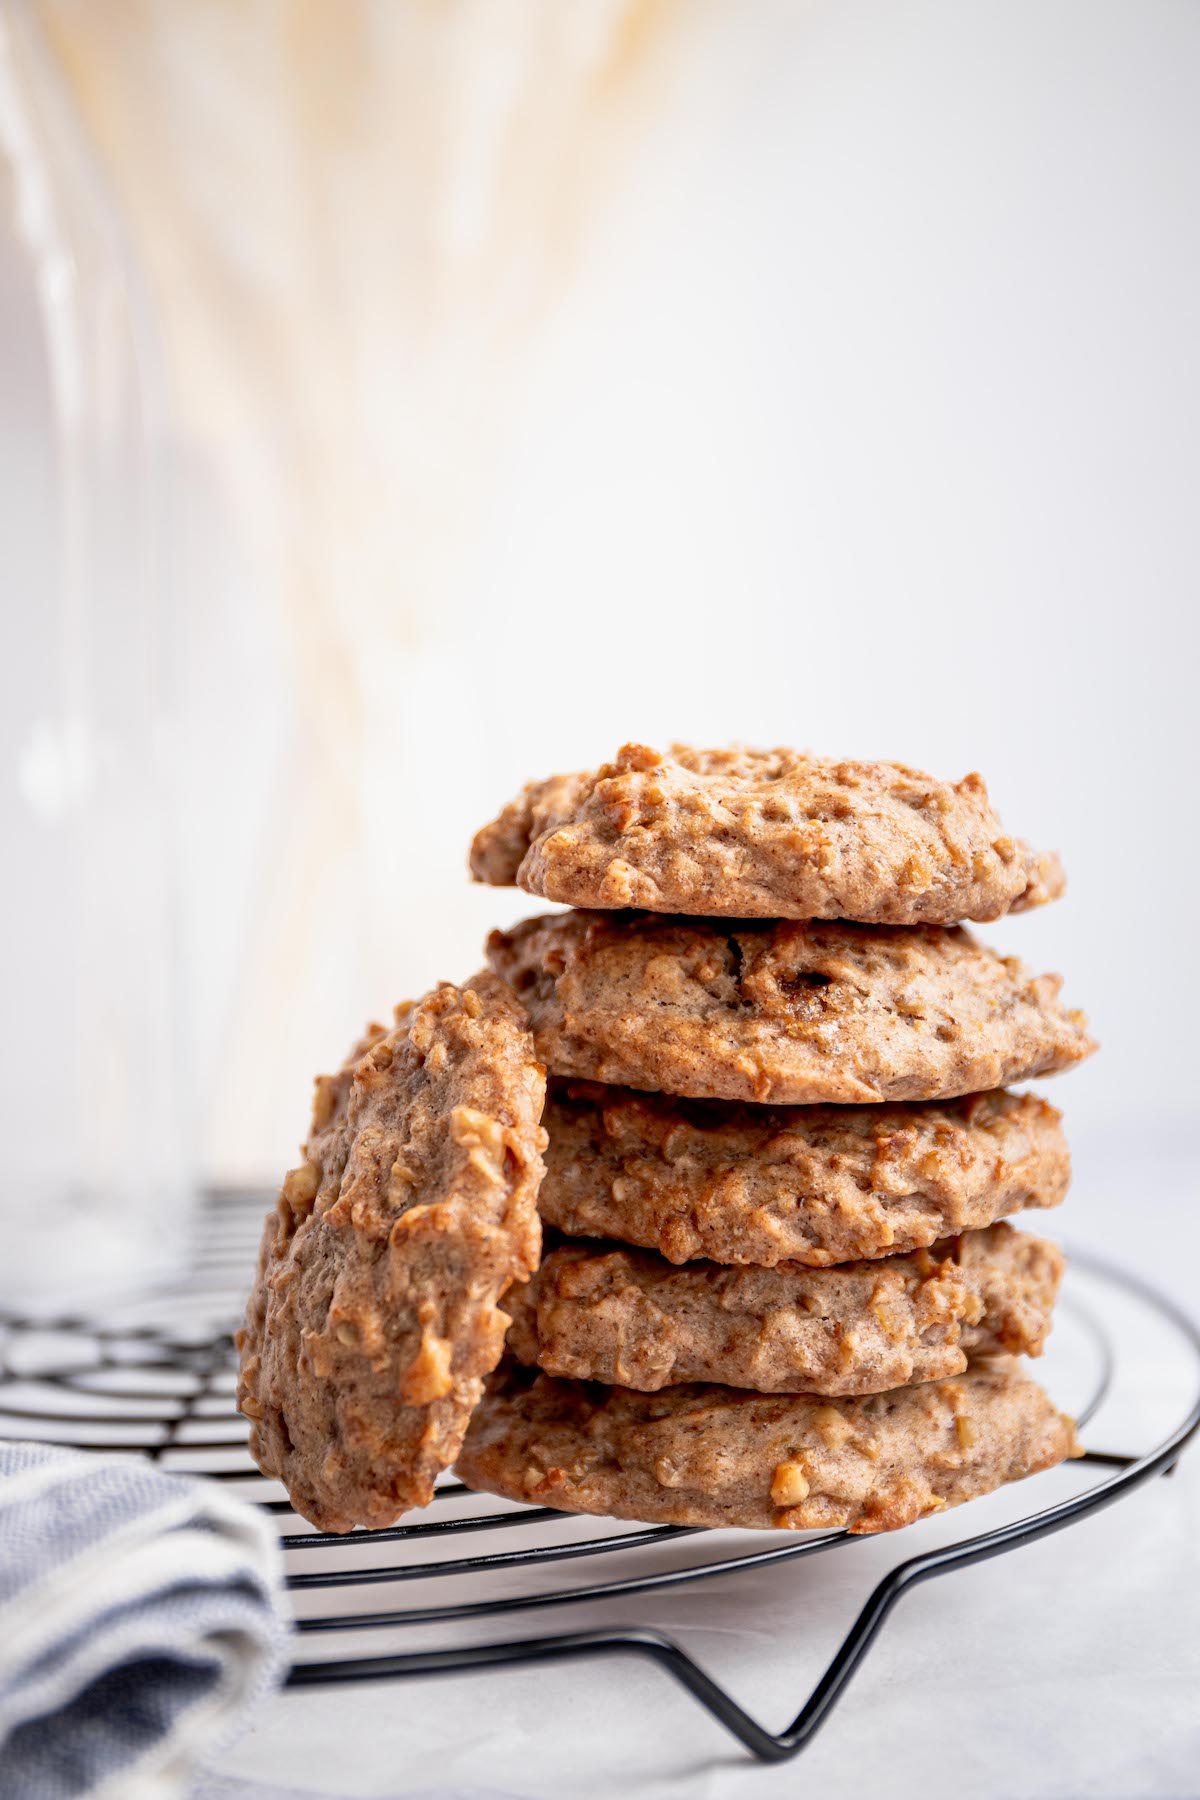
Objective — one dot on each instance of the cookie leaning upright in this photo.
(772, 834)
(375, 1314)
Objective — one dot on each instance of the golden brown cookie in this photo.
(811, 1184)
(788, 1012)
(771, 834)
(600, 1312)
(720, 1456)
(374, 1316)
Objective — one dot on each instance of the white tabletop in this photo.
(1070, 1666)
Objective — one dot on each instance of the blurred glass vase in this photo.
(97, 1183)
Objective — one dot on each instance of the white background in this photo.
(886, 441)
(869, 424)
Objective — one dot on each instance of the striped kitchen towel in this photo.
(140, 1624)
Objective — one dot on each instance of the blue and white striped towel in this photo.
(140, 1623)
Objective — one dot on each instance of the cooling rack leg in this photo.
(720, 1705)
(568, 1646)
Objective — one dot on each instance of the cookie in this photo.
(787, 1011)
(718, 1456)
(374, 1316)
(769, 834)
(601, 1312)
(808, 1184)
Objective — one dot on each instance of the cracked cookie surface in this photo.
(764, 834)
(601, 1312)
(375, 1315)
(720, 1456)
(786, 1012)
(739, 1183)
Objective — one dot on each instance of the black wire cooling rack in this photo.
(156, 1375)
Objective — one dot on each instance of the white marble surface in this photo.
(1069, 1667)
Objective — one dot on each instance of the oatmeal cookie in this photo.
(788, 1012)
(601, 1312)
(718, 1456)
(811, 1184)
(770, 834)
(374, 1317)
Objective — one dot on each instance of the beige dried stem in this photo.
(355, 218)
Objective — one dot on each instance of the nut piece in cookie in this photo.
(375, 1315)
(600, 1312)
(787, 1012)
(810, 1184)
(700, 1455)
(772, 834)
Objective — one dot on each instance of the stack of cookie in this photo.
(780, 1146)
(776, 1156)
